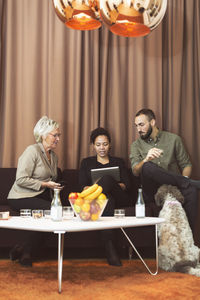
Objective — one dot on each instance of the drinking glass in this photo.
(4, 215)
(37, 213)
(119, 213)
(47, 213)
(68, 212)
(25, 213)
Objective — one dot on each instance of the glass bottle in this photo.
(140, 206)
(56, 206)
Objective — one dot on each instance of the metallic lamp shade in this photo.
(130, 18)
(78, 14)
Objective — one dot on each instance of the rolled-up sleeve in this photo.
(135, 155)
(181, 154)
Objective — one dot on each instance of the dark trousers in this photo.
(116, 198)
(32, 239)
(152, 177)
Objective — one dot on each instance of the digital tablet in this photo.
(96, 174)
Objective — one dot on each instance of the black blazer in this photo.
(91, 163)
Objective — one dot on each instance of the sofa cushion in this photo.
(7, 176)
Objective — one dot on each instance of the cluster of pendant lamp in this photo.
(130, 18)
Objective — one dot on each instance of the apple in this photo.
(72, 197)
(85, 215)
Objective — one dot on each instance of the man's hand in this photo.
(187, 171)
(153, 153)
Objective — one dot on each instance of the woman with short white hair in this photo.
(36, 176)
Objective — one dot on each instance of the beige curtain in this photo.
(87, 79)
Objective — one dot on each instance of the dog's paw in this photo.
(194, 271)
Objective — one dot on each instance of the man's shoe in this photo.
(195, 183)
(111, 254)
(16, 252)
(26, 260)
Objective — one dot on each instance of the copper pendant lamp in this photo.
(78, 14)
(132, 18)
(129, 18)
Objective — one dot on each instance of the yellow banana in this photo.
(89, 190)
(95, 194)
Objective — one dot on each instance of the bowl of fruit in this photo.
(89, 204)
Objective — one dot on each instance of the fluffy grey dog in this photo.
(177, 252)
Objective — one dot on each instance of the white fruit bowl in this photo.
(88, 210)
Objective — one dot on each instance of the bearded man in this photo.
(159, 157)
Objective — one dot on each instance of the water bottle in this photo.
(140, 206)
(56, 206)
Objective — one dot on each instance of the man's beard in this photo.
(147, 135)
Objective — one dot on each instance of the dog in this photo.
(176, 251)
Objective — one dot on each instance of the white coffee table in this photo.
(75, 225)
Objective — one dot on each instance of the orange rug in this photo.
(94, 280)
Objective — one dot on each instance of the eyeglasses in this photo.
(56, 135)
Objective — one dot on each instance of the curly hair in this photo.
(99, 131)
(168, 189)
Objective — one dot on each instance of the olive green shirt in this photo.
(174, 158)
(33, 168)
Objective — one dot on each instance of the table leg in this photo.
(60, 259)
(156, 237)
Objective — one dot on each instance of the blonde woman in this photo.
(36, 176)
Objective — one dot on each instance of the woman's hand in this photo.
(122, 185)
(86, 187)
(52, 185)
